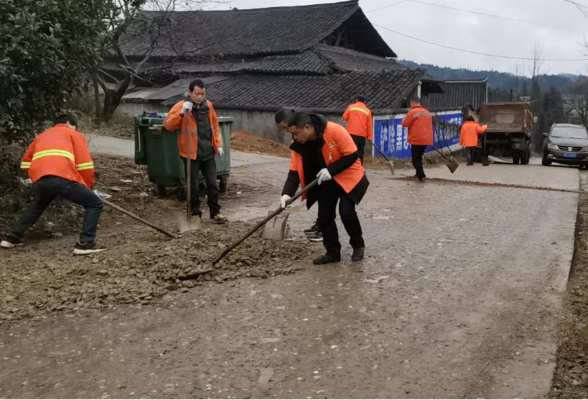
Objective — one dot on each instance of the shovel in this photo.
(189, 222)
(450, 161)
(130, 214)
(276, 228)
(383, 155)
(265, 220)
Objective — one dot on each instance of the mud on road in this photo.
(142, 265)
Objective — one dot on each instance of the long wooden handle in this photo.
(390, 163)
(130, 214)
(265, 220)
(379, 151)
(440, 153)
(188, 171)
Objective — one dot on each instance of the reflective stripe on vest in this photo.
(25, 165)
(88, 165)
(366, 112)
(54, 152)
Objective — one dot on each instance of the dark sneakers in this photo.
(86, 248)
(358, 254)
(313, 229)
(9, 241)
(326, 259)
(314, 234)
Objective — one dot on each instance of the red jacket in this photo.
(419, 122)
(468, 136)
(186, 124)
(359, 120)
(60, 151)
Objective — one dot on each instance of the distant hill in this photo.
(496, 80)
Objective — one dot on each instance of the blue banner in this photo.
(392, 138)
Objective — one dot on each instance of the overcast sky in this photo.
(557, 27)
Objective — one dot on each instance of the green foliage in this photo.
(497, 80)
(47, 48)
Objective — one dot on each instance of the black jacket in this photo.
(313, 162)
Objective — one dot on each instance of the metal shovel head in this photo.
(187, 224)
(451, 163)
(275, 228)
(391, 167)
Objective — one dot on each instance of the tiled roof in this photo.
(350, 60)
(457, 94)
(233, 33)
(383, 90)
(320, 59)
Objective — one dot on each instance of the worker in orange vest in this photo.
(359, 124)
(59, 165)
(419, 122)
(196, 117)
(468, 137)
(281, 117)
(325, 151)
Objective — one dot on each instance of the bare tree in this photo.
(127, 21)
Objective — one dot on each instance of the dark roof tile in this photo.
(383, 90)
(457, 94)
(276, 30)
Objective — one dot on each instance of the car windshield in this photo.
(569, 132)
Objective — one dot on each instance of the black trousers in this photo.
(470, 155)
(46, 190)
(417, 152)
(208, 168)
(330, 193)
(360, 143)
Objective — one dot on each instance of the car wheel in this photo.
(159, 190)
(516, 156)
(546, 162)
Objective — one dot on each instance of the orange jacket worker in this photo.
(59, 165)
(325, 150)
(419, 122)
(196, 117)
(359, 124)
(468, 137)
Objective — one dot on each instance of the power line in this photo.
(391, 5)
(503, 17)
(481, 53)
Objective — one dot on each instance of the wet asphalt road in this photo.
(458, 297)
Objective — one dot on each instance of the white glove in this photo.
(283, 200)
(323, 176)
(221, 152)
(187, 106)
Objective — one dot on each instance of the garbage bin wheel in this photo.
(159, 190)
(223, 184)
(181, 193)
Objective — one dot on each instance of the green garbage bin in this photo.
(158, 149)
(223, 164)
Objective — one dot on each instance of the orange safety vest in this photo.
(59, 151)
(419, 122)
(186, 124)
(359, 120)
(468, 136)
(338, 143)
